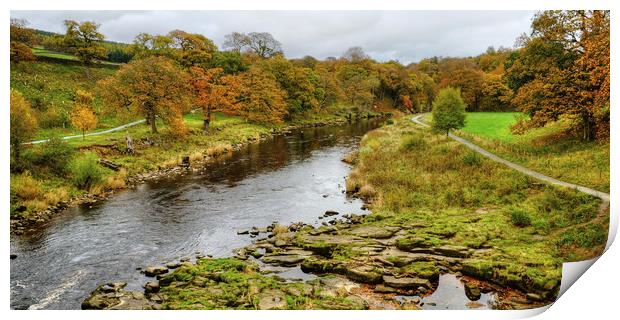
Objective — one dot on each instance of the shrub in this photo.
(86, 171)
(520, 217)
(472, 158)
(587, 236)
(116, 181)
(25, 187)
(367, 192)
(414, 142)
(55, 154)
(56, 196)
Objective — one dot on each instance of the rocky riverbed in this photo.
(356, 266)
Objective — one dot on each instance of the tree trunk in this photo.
(152, 122)
(207, 119)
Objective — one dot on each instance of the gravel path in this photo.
(92, 133)
(599, 194)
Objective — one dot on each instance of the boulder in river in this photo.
(329, 213)
(364, 274)
(112, 296)
(375, 232)
(453, 251)
(151, 287)
(155, 270)
(173, 265)
(472, 291)
(406, 282)
(272, 300)
(284, 260)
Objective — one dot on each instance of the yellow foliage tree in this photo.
(84, 119)
(23, 122)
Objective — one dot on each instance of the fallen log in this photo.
(109, 164)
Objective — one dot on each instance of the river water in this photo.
(285, 178)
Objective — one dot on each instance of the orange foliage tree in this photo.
(563, 71)
(154, 87)
(214, 91)
(260, 98)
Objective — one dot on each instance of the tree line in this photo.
(560, 71)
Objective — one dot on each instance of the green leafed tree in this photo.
(84, 41)
(448, 110)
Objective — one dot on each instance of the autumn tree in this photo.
(357, 84)
(23, 123)
(263, 44)
(397, 85)
(448, 110)
(355, 54)
(21, 40)
(84, 119)
(495, 94)
(261, 99)
(193, 49)
(300, 83)
(83, 116)
(154, 87)
(561, 71)
(214, 91)
(145, 45)
(84, 41)
(328, 84)
(462, 74)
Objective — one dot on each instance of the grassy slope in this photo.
(452, 196)
(52, 86)
(41, 52)
(544, 150)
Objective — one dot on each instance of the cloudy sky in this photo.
(407, 36)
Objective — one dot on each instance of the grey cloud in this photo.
(407, 36)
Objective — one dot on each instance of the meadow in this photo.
(549, 150)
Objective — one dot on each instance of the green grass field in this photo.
(41, 52)
(548, 150)
(493, 125)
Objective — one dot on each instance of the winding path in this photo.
(599, 194)
(92, 133)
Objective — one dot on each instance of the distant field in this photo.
(547, 149)
(494, 125)
(40, 52)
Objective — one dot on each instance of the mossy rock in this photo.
(409, 243)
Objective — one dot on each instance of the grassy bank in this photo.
(50, 88)
(548, 150)
(521, 230)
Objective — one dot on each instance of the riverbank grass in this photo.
(518, 229)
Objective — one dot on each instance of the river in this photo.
(285, 178)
